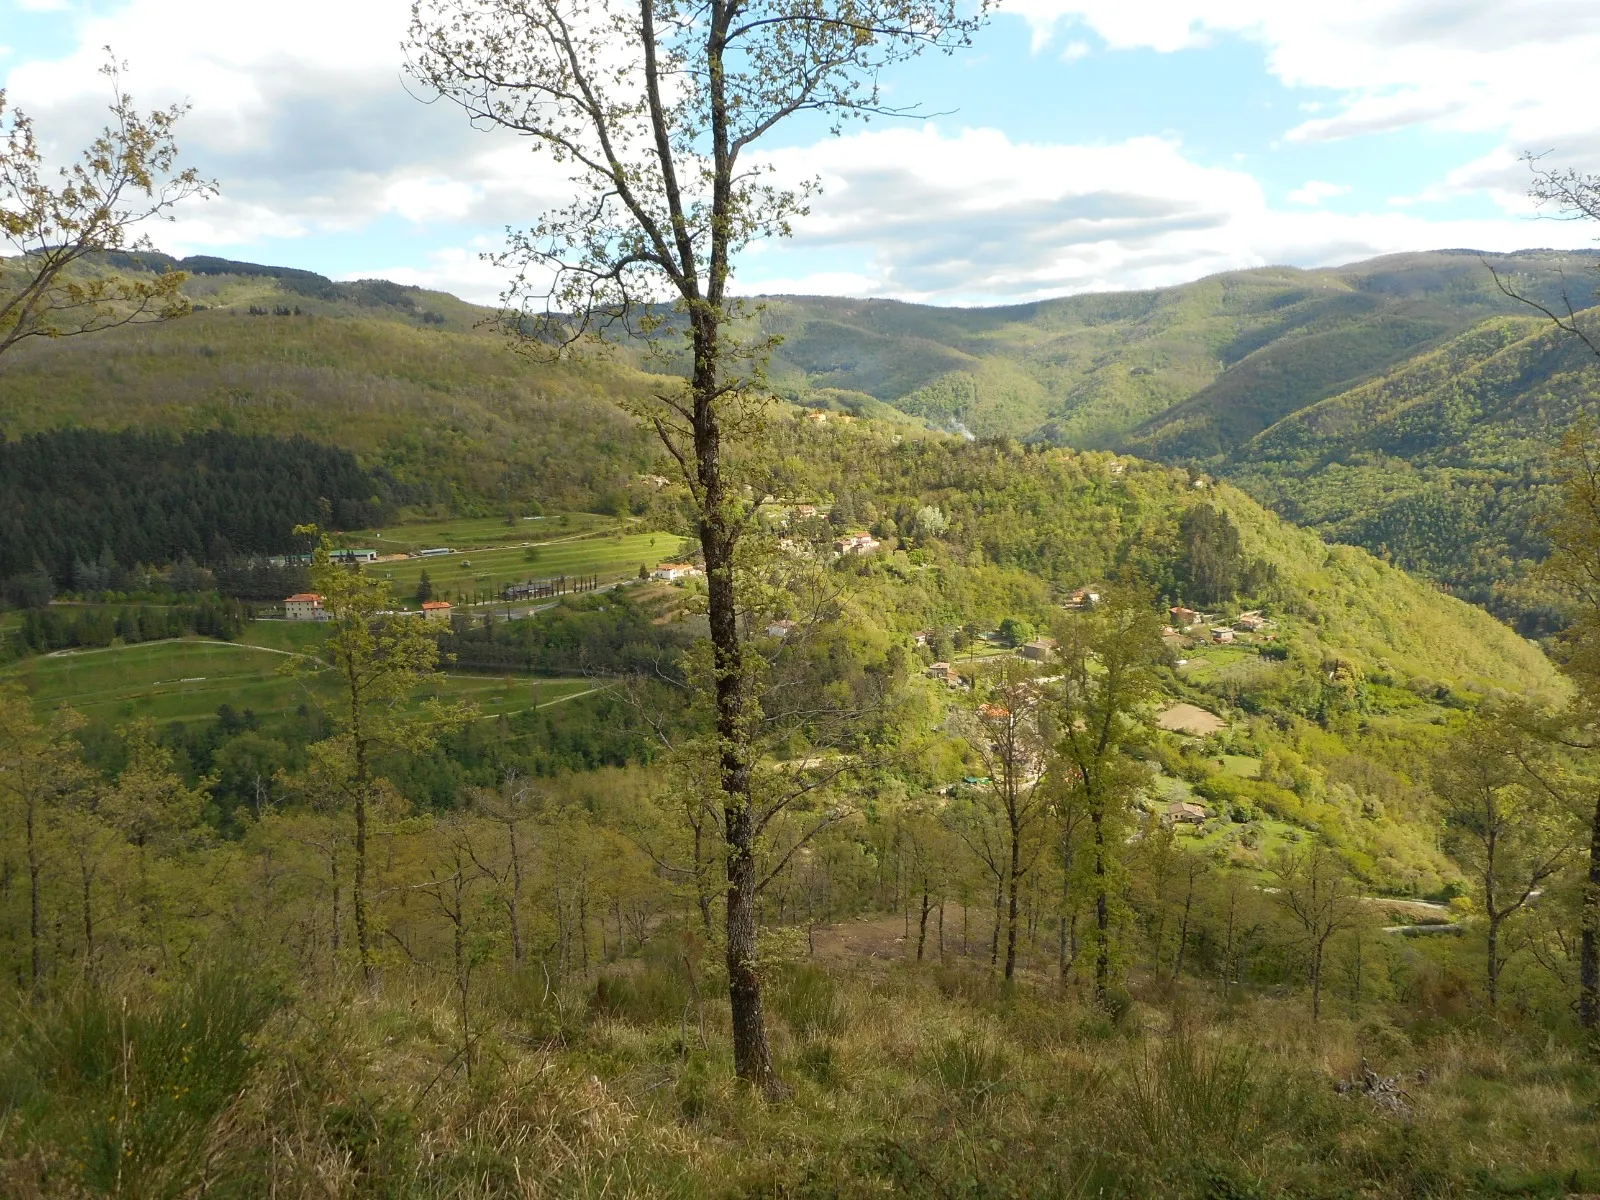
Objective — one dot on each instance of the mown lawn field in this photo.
(611, 557)
(188, 679)
(474, 533)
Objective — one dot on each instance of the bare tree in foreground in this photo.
(650, 107)
(1572, 196)
(127, 176)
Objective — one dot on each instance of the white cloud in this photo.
(299, 109)
(973, 217)
(1314, 191)
(1520, 69)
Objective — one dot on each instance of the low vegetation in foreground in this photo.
(906, 1079)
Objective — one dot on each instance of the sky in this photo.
(1077, 145)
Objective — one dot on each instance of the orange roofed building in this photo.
(304, 606)
(436, 610)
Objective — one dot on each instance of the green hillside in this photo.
(443, 405)
(1441, 464)
(1181, 372)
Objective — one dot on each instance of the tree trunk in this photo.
(922, 923)
(1589, 952)
(752, 1054)
(358, 891)
(1011, 904)
(516, 895)
(1102, 915)
(34, 952)
(1494, 961)
(1183, 933)
(999, 909)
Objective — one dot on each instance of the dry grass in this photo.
(925, 1081)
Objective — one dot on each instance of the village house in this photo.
(944, 673)
(1251, 622)
(436, 610)
(1037, 650)
(780, 629)
(1221, 634)
(656, 481)
(1083, 596)
(673, 572)
(921, 636)
(805, 510)
(817, 417)
(304, 606)
(1184, 813)
(856, 543)
(1184, 617)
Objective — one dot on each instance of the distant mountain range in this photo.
(1403, 404)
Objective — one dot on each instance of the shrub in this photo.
(969, 1069)
(128, 1092)
(808, 999)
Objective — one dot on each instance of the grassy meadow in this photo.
(612, 556)
(189, 679)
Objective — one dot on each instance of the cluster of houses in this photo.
(307, 606)
(1185, 621)
(856, 543)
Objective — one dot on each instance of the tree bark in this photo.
(922, 923)
(752, 1053)
(1589, 950)
(1011, 903)
(1102, 914)
(35, 957)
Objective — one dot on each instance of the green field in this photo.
(188, 679)
(473, 533)
(616, 556)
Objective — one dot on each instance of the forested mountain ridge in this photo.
(1181, 372)
(446, 415)
(443, 406)
(1442, 465)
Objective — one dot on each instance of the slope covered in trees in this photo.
(74, 497)
(444, 409)
(1442, 465)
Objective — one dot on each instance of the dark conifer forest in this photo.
(77, 499)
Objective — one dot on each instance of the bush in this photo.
(808, 999)
(969, 1069)
(647, 997)
(129, 1094)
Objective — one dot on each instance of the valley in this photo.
(1269, 535)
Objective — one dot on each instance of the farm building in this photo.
(304, 606)
(856, 543)
(1037, 650)
(436, 610)
(672, 572)
(351, 557)
(1184, 813)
